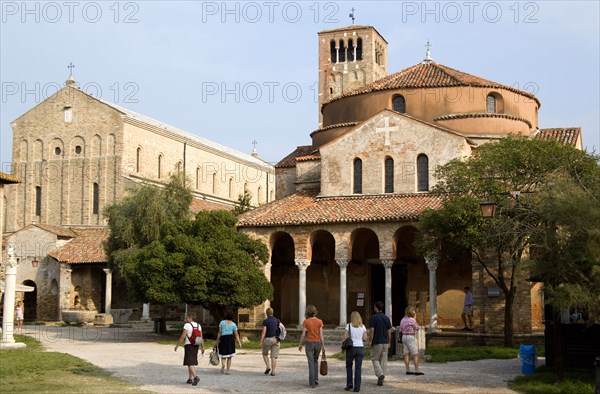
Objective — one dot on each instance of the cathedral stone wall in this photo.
(409, 139)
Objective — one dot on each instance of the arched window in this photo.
(259, 193)
(198, 175)
(38, 201)
(333, 51)
(422, 173)
(160, 165)
(359, 49)
(179, 167)
(389, 175)
(96, 199)
(231, 187)
(357, 187)
(491, 104)
(342, 52)
(350, 51)
(214, 183)
(399, 104)
(138, 158)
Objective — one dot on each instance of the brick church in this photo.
(341, 230)
(73, 154)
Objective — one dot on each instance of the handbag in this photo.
(213, 358)
(348, 344)
(323, 367)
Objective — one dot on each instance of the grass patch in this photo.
(578, 381)
(470, 353)
(33, 370)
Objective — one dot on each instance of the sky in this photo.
(238, 72)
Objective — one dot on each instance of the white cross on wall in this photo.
(386, 129)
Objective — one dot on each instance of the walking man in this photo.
(270, 342)
(381, 336)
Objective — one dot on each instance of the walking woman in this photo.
(20, 312)
(312, 338)
(228, 334)
(190, 356)
(409, 329)
(358, 333)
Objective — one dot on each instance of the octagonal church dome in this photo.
(471, 105)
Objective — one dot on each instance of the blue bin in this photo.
(528, 359)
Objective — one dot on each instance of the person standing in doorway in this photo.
(358, 333)
(269, 341)
(190, 356)
(226, 338)
(20, 313)
(381, 336)
(312, 337)
(467, 314)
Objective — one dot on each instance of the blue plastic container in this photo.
(528, 359)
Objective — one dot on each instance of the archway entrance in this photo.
(284, 278)
(323, 278)
(30, 301)
(368, 282)
(406, 256)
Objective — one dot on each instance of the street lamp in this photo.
(34, 262)
(488, 209)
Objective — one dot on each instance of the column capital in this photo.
(107, 271)
(11, 260)
(342, 262)
(387, 263)
(431, 262)
(302, 264)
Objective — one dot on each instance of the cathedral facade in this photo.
(342, 229)
(73, 154)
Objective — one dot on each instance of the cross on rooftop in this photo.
(352, 15)
(428, 53)
(386, 129)
(254, 144)
(71, 66)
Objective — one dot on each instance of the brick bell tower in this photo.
(349, 58)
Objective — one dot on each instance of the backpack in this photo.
(196, 337)
(281, 331)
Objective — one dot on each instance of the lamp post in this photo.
(488, 209)
(10, 285)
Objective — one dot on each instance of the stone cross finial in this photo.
(71, 66)
(352, 15)
(428, 52)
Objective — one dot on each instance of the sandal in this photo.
(419, 373)
(267, 371)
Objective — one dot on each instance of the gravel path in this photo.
(133, 355)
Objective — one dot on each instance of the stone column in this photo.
(302, 265)
(388, 286)
(10, 285)
(432, 266)
(108, 292)
(146, 312)
(343, 264)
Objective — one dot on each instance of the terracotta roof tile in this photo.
(290, 160)
(7, 178)
(303, 208)
(567, 135)
(86, 247)
(308, 158)
(482, 115)
(58, 230)
(205, 205)
(429, 75)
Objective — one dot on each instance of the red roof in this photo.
(7, 178)
(86, 247)
(306, 207)
(204, 205)
(58, 230)
(429, 75)
(290, 160)
(567, 135)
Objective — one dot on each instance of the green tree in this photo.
(177, 258)
(509, 171)
(243, 203)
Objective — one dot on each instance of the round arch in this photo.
(284, 277)
(30, 301)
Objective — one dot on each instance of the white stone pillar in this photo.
(432, 266)
(302, 265)
(388, 286)
(108, 292)
(10, 285)
(146, 312)
(343, 264)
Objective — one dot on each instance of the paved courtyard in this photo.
(133, 355)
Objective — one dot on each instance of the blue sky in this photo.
(236, 72)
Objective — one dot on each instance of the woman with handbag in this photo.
(356, 332)
(312, 337)
(226, 338)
